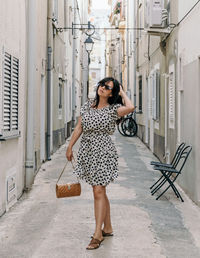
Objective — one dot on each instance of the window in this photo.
(156, 95)
(94, 75)
(10, 96)
(140, 94)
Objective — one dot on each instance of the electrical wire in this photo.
(187, 13)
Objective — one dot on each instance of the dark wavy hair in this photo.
(115, 98)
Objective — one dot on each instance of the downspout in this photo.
(74, 68)
(135, 56)
(49, 53)
(127, 47)
(31, 82)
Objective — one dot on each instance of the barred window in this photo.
(60, 97)
(10, 96)
(140, 94)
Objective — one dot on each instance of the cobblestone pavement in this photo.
(41, 226)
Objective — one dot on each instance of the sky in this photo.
(100, 4)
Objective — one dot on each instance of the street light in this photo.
(88, 46)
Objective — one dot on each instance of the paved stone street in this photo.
(40, 225)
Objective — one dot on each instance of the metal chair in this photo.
(170, 174)
(173, 164)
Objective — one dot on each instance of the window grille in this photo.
(60, 95)
(140, 94)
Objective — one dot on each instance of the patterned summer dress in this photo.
(97, 161)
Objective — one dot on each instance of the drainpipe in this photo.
(49, 51)
(127, 47)
(74, 67)
(49, 57)
(135, 55)
(31, 82)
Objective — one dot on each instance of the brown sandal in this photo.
(104, 234)
(94, 244)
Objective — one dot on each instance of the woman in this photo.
(97, 157)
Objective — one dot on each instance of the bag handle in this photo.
(64, 169)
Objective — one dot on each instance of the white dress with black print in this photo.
(97, 161)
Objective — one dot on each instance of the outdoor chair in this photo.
(170, 174)
(173, 164)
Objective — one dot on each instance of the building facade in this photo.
(153, 50)
(13, 101)
(120, 55)
(167, 82)
(187, 51)
(41, 86)
(99, 18)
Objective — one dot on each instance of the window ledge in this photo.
(9, 137)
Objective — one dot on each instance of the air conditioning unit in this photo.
(156, 17)
(154, 13)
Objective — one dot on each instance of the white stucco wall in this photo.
(13, 40)
(184, 7)
(189, 52)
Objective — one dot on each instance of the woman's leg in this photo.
(99, 209)
(107, 221)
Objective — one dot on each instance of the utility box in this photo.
(11, 190)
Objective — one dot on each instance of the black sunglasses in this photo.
(107, 87)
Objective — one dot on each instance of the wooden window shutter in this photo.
(15, 90)
(10, 96)
(171, 98)
(154, 96)
(7, 92)
(157, 94)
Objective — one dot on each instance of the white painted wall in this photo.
(13, 39)
(184, 7)
(189, 52)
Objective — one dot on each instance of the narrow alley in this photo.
(39, 225)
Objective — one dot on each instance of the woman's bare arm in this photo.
(128, 106)
(76, 134)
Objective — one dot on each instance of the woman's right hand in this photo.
(69, 153)
(121, 92)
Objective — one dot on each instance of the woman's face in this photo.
(105, 90)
